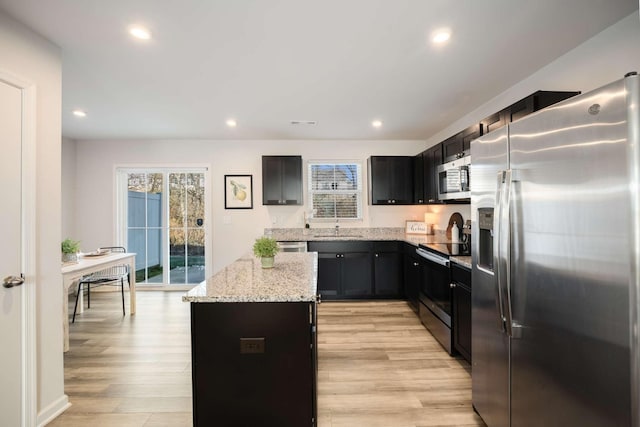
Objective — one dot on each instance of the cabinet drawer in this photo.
(461, 275)
(337, 246)
(386, 246)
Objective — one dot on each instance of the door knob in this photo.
(11, 281)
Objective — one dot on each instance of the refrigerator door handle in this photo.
(505, 243)
(496, 249)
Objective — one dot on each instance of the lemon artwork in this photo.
(238, 191)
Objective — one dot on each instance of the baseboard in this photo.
(49, 413)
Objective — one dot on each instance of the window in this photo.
(335, 190)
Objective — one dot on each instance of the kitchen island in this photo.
(253, 343)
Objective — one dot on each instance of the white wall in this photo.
(95, 185)
(69, 179)
(604, 58)
(33, 58)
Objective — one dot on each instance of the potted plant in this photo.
(266, 248)
(70, 249)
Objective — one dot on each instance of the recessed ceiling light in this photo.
(140, 32)
(441, 36)
(79, 113)
(376, 123)
(232, 123)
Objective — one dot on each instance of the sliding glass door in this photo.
(161, 217)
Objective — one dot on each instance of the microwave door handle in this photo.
(497, 223)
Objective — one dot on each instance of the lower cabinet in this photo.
(412, 275)
(259, 368)
(344, 269)
(358, 269)
(387, 265)
(461, 300)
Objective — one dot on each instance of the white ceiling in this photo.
(343, 63)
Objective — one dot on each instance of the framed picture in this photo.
(238, 191)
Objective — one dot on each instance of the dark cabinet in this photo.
(419, 179)
(281, 180)
(412, 275)
(425, 189)
(530, 104)
(387, 268)
(390, 180)
(494, 121)
(344, 269)
(461, 301)
(534, 102)
(459, 145)
(433, 159)
(264, 358)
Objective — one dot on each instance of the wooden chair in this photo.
(109, 276)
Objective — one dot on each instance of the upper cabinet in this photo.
(432, 159)
(459, 145)
(282, 180)
(390, 180)
(530, 104)
(425, 185)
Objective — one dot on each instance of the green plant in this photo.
(70, 246)
(265, 247)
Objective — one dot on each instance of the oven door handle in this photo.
(433, 258)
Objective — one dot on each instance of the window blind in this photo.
(335, 190)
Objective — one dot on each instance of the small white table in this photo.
(74, 272)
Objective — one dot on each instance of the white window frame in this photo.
(358, 191)
(121, 172)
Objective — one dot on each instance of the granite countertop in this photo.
(293, 279)
(347, 234)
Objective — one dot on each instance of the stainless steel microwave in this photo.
(453, 179)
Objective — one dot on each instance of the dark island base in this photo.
(254, 364)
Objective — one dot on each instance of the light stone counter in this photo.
(346, 234)
(464, 261)
(293, 279)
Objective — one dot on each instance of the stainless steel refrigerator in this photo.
(554, 208)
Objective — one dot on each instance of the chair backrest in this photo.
(112, 272)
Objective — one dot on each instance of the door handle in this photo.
(11, 281)
(497, 252)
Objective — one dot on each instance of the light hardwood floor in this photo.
(378, 366)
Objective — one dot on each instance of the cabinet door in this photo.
(431, 173)
(379, 181)
(292, 180)
(402, 180)
(494, 122)
(452, 147)
(462, 320)
(271, 180)
(329, 276)
(412, 277)
(387, 273)
(419, 178)
(468, 135)
(356, 274)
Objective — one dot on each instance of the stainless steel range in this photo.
(435, 295)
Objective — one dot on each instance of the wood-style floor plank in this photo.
(377, 366)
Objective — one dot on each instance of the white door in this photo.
(11, 298)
